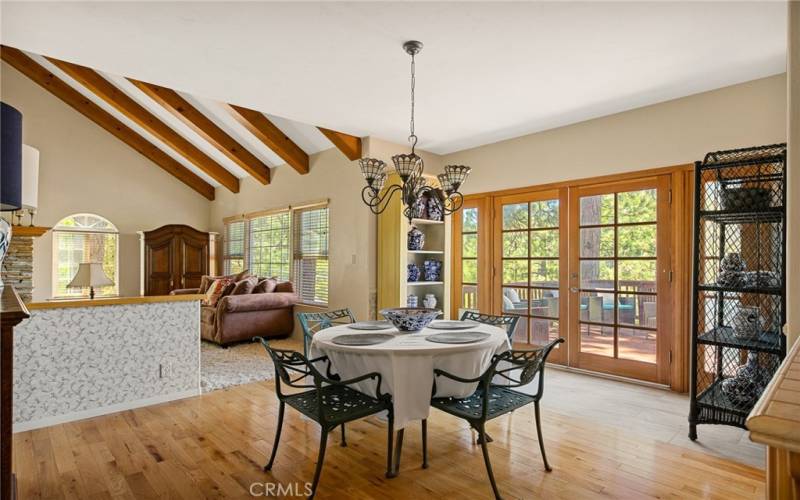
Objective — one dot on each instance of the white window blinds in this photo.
(234, 254)
(310, 254)
(269, 245)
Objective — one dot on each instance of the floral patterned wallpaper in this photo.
(76, 359)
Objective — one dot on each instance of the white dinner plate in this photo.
(457, 337)
(362, 339)
(371, 325)
(451, 325)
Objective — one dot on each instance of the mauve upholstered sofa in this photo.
(241, 317)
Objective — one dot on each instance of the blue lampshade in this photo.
(10, 158)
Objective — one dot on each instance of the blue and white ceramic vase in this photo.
(5, 241)
(413, 273)
(433, 270)
(434, 209)
(420, 208)
(430, 301)
(416, 239)
(412, 301)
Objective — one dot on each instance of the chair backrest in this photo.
(290, 368)
(507, 322)
(313, 322)
(521, 366)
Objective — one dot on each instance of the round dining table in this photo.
(406, 363)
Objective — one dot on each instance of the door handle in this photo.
(574, 289)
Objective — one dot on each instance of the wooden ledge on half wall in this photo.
(112, 301)
(33, 231)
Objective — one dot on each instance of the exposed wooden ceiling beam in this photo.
(348, 144)
(30, 68)
(206, 128)
(107, 91)
(266, 131)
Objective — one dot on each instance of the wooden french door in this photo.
(619, 265)
(530, 266)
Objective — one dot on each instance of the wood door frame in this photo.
(660, 372)
(681, 233)
(558, 355)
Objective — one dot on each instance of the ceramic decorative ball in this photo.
(413, 272)
(416, 239)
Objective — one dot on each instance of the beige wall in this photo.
(352, 227)
(793, 234)
(670, 133)
(83, 168)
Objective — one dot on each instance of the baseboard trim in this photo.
(104, 410)
(608, 376)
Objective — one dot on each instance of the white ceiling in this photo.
(489, 71)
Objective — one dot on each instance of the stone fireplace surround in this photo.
(18, 265)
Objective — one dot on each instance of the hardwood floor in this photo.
(213, 446)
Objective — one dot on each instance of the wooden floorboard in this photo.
(213, 446)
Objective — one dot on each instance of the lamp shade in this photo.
(10, 158)
(90, 274)
(30, 177)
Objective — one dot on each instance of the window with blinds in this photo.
(291, 245)
(84, 238)
(269, 245)
(234, 255)
(310, 254)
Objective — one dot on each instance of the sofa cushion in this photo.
(285, 287)
(266, 285)
(207, 314)
(257, 302)
(245, 286)
(217, 290)
(205, 281)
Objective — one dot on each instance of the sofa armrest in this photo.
(185, 291)
(256, 302)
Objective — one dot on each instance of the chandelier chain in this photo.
(412, 137)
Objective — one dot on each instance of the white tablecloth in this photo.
(406, 364)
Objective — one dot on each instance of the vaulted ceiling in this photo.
(489, 70)
(202, 142)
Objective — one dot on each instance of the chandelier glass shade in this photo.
(412, 186)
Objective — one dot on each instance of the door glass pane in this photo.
(515, 300)
(515, 244)
(544, 304)
(597, 210)
(636, 310)
(515, 216)
(469, 220)
(544, 273)
(597, 242)
(543, 330)
(515, 272)
(637, 241)
(597, 307)
(469, 247)
(544, 243)
(520, 335)
(544, 214)
(638, 274)
(469, 271)
(469, 297)
(636, 206)
(638, 345)
(597, 274)
(597, 340)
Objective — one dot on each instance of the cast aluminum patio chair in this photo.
(329, 401)
(313, 322)
(493, 400)
(508, 322)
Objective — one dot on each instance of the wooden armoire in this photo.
(176, 256)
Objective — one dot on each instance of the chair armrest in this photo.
(437, 372)
(256, 302)
(185, 291)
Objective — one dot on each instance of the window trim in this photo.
(54, 259)
(291, 209)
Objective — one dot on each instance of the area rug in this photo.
(236, 365)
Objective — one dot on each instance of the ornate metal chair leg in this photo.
(323, 441)
(390, 441)
(344, 441)
(539, 433)
(424, 443)
(397, 451)
(277, 436)
(485, 450)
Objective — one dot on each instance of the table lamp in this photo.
(90, 274)
(10, 171)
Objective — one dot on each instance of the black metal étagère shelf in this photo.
(739, 282)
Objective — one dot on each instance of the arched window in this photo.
(84, 238)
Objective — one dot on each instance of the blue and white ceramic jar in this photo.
(416, 239)
(433, 270)
(434, 209)
(413, 273)
(412, 301)
(421, 208)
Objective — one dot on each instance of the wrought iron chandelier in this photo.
(413, 186)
